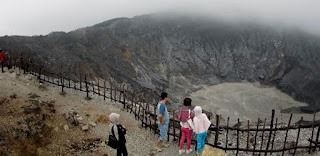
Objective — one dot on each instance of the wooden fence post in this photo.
(87, 88)
(145, 115)
(115, 92)
(139, 107)
(104, 90)
(124, 98)
(298, 135)
(39, 77)
(132, 101)
(92, 85)
(238, 141)
(58, 81)
(155, 119)
(69, 78)
(149, 117)
(19, 64)
(61, 80)
(28, 64)
(80, 81)
(168, 133)
(255, 136)
(227, 134)
(135, 108)
(174, 126)
(98, 86)
(62, 84)
(217, 130)
(120, 93)
(317, 137)
(314, 116)
(111, 91)
(75, 81)
(262, 137)
(285, 139)
(274, 135)
(248, 136)
(270, 132)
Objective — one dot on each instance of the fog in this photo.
(40, 17)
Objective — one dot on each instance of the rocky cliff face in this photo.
(179, 54)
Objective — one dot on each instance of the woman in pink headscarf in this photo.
(119, 132)
(201, 126)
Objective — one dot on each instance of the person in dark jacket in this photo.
(2, 59)
(119, 133)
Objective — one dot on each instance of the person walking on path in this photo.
(162, 120)
(201, 126)
(116, 129)
(2, 59)
(185, 116)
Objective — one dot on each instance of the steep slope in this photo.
(33, 121)
(180, 53)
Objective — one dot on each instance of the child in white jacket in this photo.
(201, 126)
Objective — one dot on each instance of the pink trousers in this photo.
(185, 132)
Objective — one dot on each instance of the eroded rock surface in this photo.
(179, 53)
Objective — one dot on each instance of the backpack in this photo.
(184, 114)
(112, 141)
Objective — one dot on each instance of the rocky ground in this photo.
(37, 120)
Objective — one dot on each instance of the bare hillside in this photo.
(35, 120)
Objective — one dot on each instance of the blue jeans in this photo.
(163, 131)
(201, 140)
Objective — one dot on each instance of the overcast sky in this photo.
(35, 17)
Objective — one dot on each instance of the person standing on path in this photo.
(2, 59)
(185, 116)
(162, 120)
(201, 126)
(119, 132)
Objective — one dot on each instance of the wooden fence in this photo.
(257, 138)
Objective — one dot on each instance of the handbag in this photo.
(113, 142)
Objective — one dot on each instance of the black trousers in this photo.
(2, 64)
(122, 150)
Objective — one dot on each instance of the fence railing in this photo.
(256, 138)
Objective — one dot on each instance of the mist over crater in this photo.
(178, 53)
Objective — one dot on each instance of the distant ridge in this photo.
(178, 52)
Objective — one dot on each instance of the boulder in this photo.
(93, 124)
(11, 70)
(29, 77)
(81, 120)
(66, 127)
(209, 151)
(56, 129)
(85, 127)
